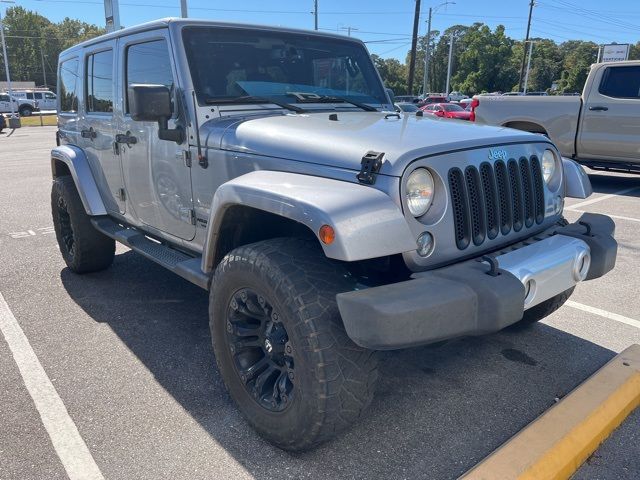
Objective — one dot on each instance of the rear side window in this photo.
(149, 63)
(30, 95)
(621, 82)
(67, 84)
(99, 82)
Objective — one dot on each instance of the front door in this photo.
(610, 126)
(97, 125)
(158, 182)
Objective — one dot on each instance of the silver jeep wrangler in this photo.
(267, 166)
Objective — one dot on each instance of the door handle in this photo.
(91, 133)
(598, 109)
(126, 138)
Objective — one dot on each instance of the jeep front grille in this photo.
(499, 198)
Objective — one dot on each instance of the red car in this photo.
(448, 110)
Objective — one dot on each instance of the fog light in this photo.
(425, 244)
(581, 266)
(529, 290)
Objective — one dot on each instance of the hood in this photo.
(341, 143)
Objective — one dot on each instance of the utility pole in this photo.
(6, 65)
(112, 15)
(315, 13)
(348, 29)
(183, 9)
(526, 78)
(414, 44)
(449, 65)
(44, 72)
(427, 51)
(532, 3)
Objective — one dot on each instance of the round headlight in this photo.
(549, 165)
(419, 191)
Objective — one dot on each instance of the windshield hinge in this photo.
(186, 156)
(371, 165)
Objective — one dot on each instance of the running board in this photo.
(180, 263)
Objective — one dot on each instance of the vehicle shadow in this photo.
(615, 183)
(437, 412)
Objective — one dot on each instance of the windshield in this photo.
(450, 107)
(408, 107)
(227, 63)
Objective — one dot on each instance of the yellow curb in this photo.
(555, 444)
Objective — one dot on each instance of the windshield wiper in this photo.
(255, 99)
(304, 97)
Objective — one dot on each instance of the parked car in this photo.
(242, 159)
(466, 103)
(407, 99)
(22, 106)
(447, 110)
(406, 107)
(45, 99)
(598, 129)
(457, 96)
(433, 99)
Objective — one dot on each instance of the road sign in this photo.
(615, 52)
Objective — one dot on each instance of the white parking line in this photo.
(604, 313)
(67, 442)
(619, 217)
(600, 199)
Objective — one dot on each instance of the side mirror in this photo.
(440, 113)
(152, 103)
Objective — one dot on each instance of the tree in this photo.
(394, 73)
(31, 38)
(577, 58)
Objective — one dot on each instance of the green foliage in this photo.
(29, 36)
(393, 73)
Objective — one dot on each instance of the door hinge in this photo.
(116, 148)
(186, 156)
(121, 194)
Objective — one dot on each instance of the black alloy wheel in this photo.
(261, 350)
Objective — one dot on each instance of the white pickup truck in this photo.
(600, 129)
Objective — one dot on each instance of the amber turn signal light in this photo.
(327, 234)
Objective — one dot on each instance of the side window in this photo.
(49, 96)
(67, 83)
(30, 95)
(38, 96)
(4, 98)
(149, 63)
(621, 82)
(99, 82)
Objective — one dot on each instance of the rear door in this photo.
(97, 126)
(610, 126)
(5, 106)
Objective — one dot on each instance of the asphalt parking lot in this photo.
(128, 352)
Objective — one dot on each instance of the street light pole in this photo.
(449, 65)
(6, 62)
(526, 78)
(183, 9)
(427, 51)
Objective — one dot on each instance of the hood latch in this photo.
(371, 165)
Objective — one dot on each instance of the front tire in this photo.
(280, 345)
(25, 111)
(83, 248)
(546, 308)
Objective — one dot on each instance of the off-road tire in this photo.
(546, 308)
(25, 111)
(334, 378)
(83, 248)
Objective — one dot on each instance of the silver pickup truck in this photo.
(267, 166)
(600, 129)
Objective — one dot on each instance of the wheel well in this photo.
(242, 225)
(59, 168)
(527, 127)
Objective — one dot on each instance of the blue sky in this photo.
(384, 24)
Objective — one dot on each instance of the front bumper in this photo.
(480, 296)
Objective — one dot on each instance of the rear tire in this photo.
(546, 308)
(25, 111)
(280, 344)
(83, 248)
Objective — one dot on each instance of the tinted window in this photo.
(149, 63)
(38, 96)
(4, 98)
(453, 108)
(67, 83)
(30, 95)
(622, 82)
(99, 82)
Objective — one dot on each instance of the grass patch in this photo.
(34, 120)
